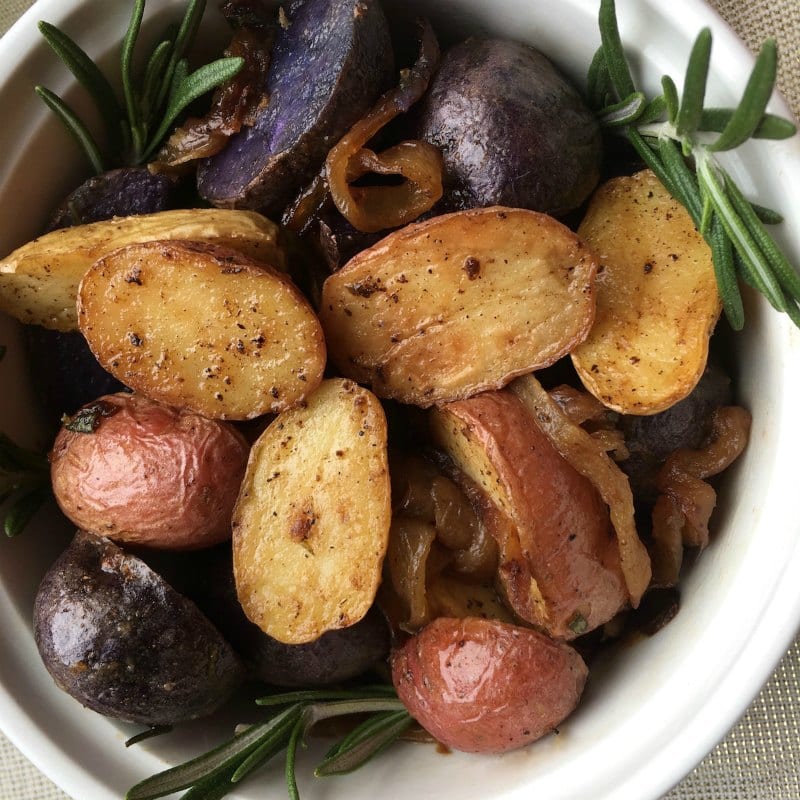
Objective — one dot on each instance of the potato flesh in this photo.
(311, 525)
(657, 298)
(461, 303)
(39, 281)
(200, 327)
(559, 567)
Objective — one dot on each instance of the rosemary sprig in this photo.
(152, 101)
(217, 772)
(672, 134)
(24, 485)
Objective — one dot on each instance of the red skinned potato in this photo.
(485, 686)
(559, 561)
(146, 474)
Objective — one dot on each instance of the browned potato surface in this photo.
(461, 303)
(201, 327)
(484, 686)
(559, 562)
(311, 525)
(146, 474)
(657, 298)
(39, 281)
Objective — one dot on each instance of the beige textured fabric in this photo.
(760, 758)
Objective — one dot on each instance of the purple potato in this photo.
(512, 130)
(331, 60)
(121, 641)
(117, 193)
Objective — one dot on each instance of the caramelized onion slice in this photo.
(588, 457)
(681, 479)
(374, 208)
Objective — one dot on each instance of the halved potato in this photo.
(559, 563)
(311, 525)
(443, 309)
(39, 281)
(657, 298)
(202, 327)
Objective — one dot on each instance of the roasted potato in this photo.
(512, 130)
(39, 281)
(142, 473)
(117, 193)
(559, 562)
(446, 308)
(485, 686)
(657, 298)
(311, 524)
(330, 61)
(201, 327)
(122, 642)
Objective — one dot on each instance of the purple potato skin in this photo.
(329, 65)
(336, 657)
(116, 637)
(117, 193)
(513, 132)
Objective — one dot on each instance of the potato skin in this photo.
(150, 475)
(121, 641)
(512, 130)
(485, 686)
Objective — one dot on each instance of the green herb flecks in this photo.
(218, 771)
(24, 485)
(673, 135)
(152, 101)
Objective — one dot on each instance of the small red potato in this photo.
(485, 686)
(142, 473)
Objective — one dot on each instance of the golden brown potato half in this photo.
(657, 298)
(443, 309)
(311, 525)
(202, 327)
(484, 686)
(39, 281)
(559, 561)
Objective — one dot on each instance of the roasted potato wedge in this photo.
(657, 298)
(201, 327)
(446, 308)
(39, 281)
(311, 525)
(559, 563)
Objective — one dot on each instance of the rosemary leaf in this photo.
(748, 115)
(23, 509)
(126, 67)
(74, 126)
(739, 235)
(671, 98)
(214, 787)
(315, 712)
(694, 85)
(598, 82)
(153, 75)
(270, 745)
(189, 89)
(615, 59)
(89, 76)
(651, 159)
(685, 182)
(207, 765)
(770, 127)
(784, 271)
(291, 760)
(183, 40)
(389, 730)
(769, 216)
(322, 695)
(725, 271)
(151, 732)
(654, 110)
(626, 112)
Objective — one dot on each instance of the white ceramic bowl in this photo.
(651, 711)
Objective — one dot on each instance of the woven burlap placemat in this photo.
(760, 758)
